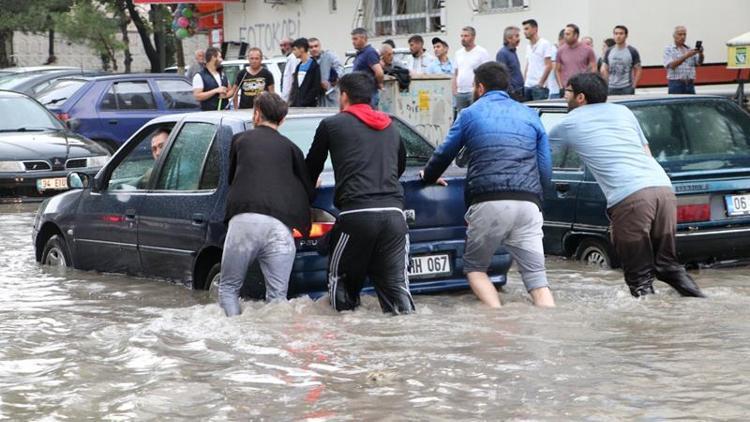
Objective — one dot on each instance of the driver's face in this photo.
(157, 144)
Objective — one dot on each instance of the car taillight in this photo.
(322, 223)
(63, 117)
(693, 208)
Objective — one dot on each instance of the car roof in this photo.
(246, 114)
(625, 99)
(125, 76)
(4, 93)
(35, 68)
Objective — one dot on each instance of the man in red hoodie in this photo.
(370, 238)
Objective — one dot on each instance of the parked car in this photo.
(172, 226)
(37, 151)
(32, 69)
(35, 82)
(110, 108)
(703, 143)
(232, 67)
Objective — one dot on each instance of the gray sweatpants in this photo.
(517, 226)
(255, 236)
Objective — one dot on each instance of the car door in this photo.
(176, 94)
(174, 215)
(562, 196)
(125, 106)
(106, 223)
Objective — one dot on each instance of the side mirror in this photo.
(73, 124)
(77, 180)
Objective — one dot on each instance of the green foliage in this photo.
(88, 22)
(31, 16)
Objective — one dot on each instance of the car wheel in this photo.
(212, 281)
(596, 253)
(55, 252)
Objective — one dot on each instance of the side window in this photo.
(129, 96)
(563, 156)
(183, 167)
(177, 94)
(135, 171)
(661, 126)
(418, 150)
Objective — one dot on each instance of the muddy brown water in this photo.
(87, 346)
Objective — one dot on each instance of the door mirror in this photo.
(73, 124)
(77, 180)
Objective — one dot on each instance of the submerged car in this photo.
(703, 143)
(37, 151)
(163, 216)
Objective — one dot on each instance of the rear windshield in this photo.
(696, 135)
(59, 92)
(301, 131)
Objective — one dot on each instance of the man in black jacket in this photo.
(306, 89)
(269, 196)
(370, 238)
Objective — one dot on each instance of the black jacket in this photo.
(209, 83)
(368, 159)
(307, 94)
(267, 175)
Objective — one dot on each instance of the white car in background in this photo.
(232, 67)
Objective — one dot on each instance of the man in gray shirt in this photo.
(621, 64)
(330, 70)
(197, 65)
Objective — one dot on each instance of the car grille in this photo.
(76, 163)
(37, 165)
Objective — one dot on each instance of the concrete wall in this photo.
(650, 22)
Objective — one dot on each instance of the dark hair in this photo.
(591, 85)
(531, 22)
(610, 42)
(164, 130)
(359, 31)
(390, 42)
(623, 27)
(574, 27)
(417, 38)
(301, 43)
(271, 106)
(561, 35)
(359, 87)
(212, 52)
(493, 75)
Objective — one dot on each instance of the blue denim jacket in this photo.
(506, 145)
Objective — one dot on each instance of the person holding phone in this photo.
(681, 61)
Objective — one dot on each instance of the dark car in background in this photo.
(37, 151)
(164, 217)
(703, 143)
(34, 83)
(109, 109)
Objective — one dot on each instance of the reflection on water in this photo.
(79, 345)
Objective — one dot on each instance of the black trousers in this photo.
(374, 245)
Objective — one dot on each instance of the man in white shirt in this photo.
(540, 55)
(419, 60)
(466, 60)
(291, 65)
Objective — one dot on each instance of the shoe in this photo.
(685, 285)
(641, 291)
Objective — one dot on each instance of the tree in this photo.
(88, 22)
(159, 17)
(36, 16)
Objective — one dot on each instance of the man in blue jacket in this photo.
(508, 162)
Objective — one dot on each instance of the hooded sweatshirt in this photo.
(368, 158)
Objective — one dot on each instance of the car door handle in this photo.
(112, 121)
(199, 219)
(562, 187)
(130, 214)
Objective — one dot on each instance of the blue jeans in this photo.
(681, 87)
(255, 236)
(628, 90)
(462, 100)
(375, 100)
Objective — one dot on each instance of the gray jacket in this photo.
(329, 61)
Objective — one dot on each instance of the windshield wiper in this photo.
(55, 101)
(27, 129)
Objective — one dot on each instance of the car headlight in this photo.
(11, 166)
(98, 161)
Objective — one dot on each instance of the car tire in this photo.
(596, 253)
(56, 253)
(212, 281)
(254, 287)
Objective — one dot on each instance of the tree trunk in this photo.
(51, 59)
(159, 37)
(6, 38)
(151, 53)
(122, 16)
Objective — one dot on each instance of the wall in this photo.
(427, 104)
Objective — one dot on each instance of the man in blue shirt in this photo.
(508, 162)
(640, 202)
(507, 56)
(442, 64)
(367, 61)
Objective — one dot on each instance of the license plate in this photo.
(426, 265)
(56, 183)
(737, 204)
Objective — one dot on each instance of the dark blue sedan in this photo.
(109, 109)
(163, 217)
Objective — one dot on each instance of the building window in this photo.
(398, 17)
(502, 6)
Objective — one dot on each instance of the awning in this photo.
(737, 50)
(183, 1)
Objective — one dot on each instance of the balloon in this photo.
(188, 13)
(182, 33)
(183, 22)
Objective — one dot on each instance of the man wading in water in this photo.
(640, 201)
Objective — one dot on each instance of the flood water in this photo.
(85, 346)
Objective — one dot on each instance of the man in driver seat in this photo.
(158, 141)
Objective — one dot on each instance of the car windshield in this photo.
(24, 114)
(60, 91)
(696, 135)
(301, 131)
